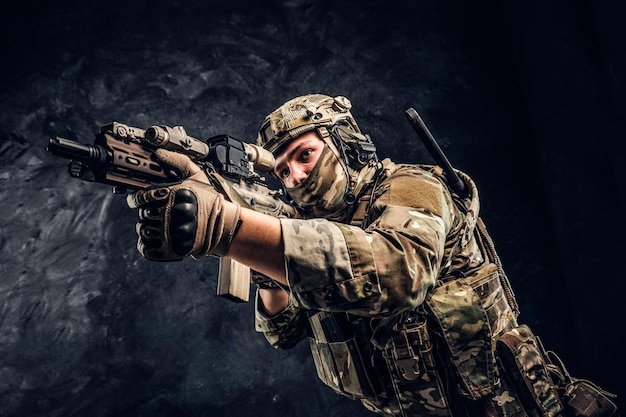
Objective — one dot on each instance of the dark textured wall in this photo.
(527, 97)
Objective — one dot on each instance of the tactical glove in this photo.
(188, 218)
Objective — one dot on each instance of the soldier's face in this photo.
(295, 162)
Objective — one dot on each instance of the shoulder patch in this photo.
(419, 191)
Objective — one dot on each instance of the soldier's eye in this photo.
(306, 155)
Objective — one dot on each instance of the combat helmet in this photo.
(347, 163)
(329, 116)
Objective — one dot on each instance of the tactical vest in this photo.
(461, 352)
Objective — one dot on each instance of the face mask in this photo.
(322, 192)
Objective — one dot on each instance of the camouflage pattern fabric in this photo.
(284, 330)
(322, 192)
(380, 271)
(304, 114)
(401, 294)
(338, 171)
(418, 253)
(341, 357)
(418, 386)
(527, 365)
(462, 322)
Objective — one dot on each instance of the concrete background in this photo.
(527, 97)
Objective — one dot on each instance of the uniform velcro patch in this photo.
(420, 192)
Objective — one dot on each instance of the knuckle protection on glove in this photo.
(152, 244)
(183, 222)
(154, 214)
(189, 218)
(150, 235)
(147, 232)
(202, 222)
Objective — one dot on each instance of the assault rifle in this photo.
(123, 156)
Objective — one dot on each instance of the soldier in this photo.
(390, 276)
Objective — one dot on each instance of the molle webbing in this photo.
(410, 360)
(362, 206)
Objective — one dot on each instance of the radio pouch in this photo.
(526, 367)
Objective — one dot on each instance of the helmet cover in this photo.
(303, 114)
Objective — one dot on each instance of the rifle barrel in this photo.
(66, 148)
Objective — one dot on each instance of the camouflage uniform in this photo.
(378, 272)
(404, 303)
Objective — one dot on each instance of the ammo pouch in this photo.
(542, 383)
(339, 357)
(462, 311)
(525, 366)
(408, 353)
(397, 377)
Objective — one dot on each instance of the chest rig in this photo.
(460, 353)
(406, 365)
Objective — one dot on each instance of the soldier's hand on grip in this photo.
(188, 218)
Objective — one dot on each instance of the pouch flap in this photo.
(463, 324)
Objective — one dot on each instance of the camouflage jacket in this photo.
(415, 237)
(431, 318)
(381, 270)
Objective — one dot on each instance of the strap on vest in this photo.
(362, 209)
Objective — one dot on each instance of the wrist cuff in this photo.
(230, 223)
